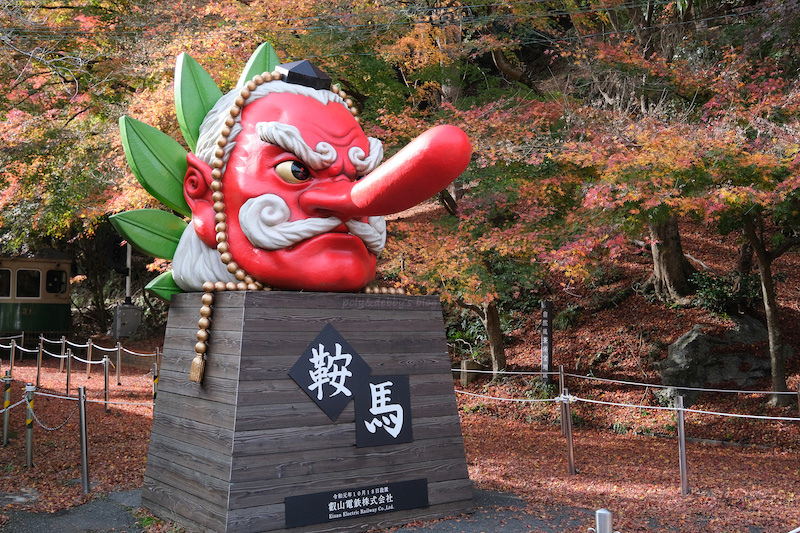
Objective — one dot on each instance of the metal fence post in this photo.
(106, 362)
(6, 405)
(29, 390)
(11, 360)
(84, 439)
(682, 449)
(39, 360)
(89, 358)
(69, 367)
(119, 362)
(566, 415)
(63, 352)
(155, 380)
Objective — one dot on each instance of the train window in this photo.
(55, 281)
(29, 283)
(5, 283)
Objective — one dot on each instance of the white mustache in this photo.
(265, 222)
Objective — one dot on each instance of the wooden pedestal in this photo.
(225, 454)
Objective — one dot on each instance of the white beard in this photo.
(264, 221)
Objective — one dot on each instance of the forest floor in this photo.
(743, 474)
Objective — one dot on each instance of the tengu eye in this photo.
(293, 172)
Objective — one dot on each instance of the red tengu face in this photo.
(287, 197)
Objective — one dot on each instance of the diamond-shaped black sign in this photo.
(330, 371)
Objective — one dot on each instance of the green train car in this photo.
(34, 295)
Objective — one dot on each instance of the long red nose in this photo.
(425, 166)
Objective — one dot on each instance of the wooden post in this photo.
(63, 352)
(155, 380)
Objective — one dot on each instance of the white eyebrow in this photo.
(289, 138)
(366, 163)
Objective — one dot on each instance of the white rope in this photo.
(96, 347)
(504, 399)
(506, 373)
(55, 396)
(87, 361)
(140, 354)
(657, 408)
(12, 337)
(45, 339)
(78, 345)
(28, 350)
(674, 386)
(54, 355)
(10, 407)
(4, 347)
(150, 404)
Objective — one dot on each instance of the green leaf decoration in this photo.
(152, 231)
(195, 95)
(264, 59)
(158, 161)
(164, 286)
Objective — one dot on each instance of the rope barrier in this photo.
(571, 399)
(139, 354)
(149, 404)
(507, 373)
(101, 348)
(78, 345)
(27, 350)
(620, 382)
(57, 356)
(10, 407)
(697, 389)
(86, 361)
(505, 399)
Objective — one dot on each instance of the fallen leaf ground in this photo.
(744, 475)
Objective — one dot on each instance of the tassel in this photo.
(198, 369)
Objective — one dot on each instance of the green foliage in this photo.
(726, 294)
(567, 318)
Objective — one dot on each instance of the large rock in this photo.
(699, 360)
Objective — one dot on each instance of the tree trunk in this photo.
(671, 269)
(491, 321)
(744, 266)
(778, 368)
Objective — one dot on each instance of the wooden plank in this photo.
(295, 439)
(203, 435)
(190, 481)
(272, 517)
(212, 389)
(216, 414)
(171, 503)
(189, 455)
(272, 409)
(249, 494)
(332, 460)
